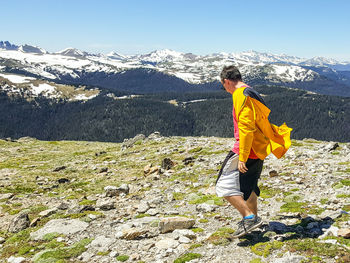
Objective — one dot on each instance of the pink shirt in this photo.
(235, 149)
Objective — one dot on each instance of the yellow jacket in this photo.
(255, 130)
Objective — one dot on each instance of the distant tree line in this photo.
(106, 119)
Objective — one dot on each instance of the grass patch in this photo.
(194, 246)
(197, 230)
(207, 199)
(300, 207)
(343, 196)
(122, 258)
(187, 257)
(314, 248)
(268, 192)
(264, 249)
(222, 236)
(54, 255)
(178, 196)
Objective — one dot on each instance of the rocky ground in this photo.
(152, 199)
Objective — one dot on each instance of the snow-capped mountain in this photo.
(74, 66)
(7, 45)
(72, 52)
(32, 49)
(29, 87)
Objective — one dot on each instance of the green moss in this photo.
(87, 202)
(255, 260)
(268, 192)
(345, 182)
(122, 258)
(187, 257)
(221, 236)
(194, 246)
(178, 196)
(50, 236)
(203, 220)
(346, 208)
(314, 248)
(195, 150)
(53, 255)
(103, 253)
(324, 201)
(301, 207)
(293, 207)
(197, 230)
(343, 196)
(206, 198)
(264, 249)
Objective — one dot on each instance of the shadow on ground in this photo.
(308, 227)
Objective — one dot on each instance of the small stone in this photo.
(167, 164)
(63, 180)
(171, 223)
(134, 257)
(344, 232)
(63, 206)
(48, 212)
(273, 173)
(150, 169)
(6, 196)
(60, 168)
(184, 240)
(20, 222)
(188, 160)
(2, 240)
(113, 254)
(143, 207)
(312, 225)
(152, 212)
(184, 232)
(277, 227)
(166, 243)
(132, 233)
(105, 204)
(103, 170)
(13, 259)
(110, 191)
(123, 189)
(205, 208)
(102, 243)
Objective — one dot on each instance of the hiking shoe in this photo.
(247, 225)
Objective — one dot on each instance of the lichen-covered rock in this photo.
(60, 226)
(19, 222)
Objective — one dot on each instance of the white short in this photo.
(228, 182)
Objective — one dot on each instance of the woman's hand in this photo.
(242, 167)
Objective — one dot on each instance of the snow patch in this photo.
(16, 78)
(46, 88)
(84, 97)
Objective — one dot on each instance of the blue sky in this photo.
(304, 28)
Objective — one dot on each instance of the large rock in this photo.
(61, 226)
(19, 222)
(171, 223)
